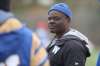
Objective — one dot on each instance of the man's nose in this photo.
(51, 21)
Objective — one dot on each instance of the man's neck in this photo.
(59, 35)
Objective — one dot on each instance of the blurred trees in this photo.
(86, 18)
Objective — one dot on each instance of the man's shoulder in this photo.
(77, 45)
(74, 43)
(71, 40)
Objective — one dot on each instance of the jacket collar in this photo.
(72, 34)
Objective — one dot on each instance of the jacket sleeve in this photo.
(39, 55)
(75, 55)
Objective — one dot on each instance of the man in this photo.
(17, 43)
(69, 47)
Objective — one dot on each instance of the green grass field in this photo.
(91, 61)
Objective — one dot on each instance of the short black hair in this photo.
(5, 5)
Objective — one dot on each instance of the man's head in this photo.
(5, 5)
(59, 17)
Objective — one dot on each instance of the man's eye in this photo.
(57, 18)
(49, 18)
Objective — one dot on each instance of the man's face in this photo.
(57, 22)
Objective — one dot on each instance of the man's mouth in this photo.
(51, 27)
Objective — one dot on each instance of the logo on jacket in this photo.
(56, 49)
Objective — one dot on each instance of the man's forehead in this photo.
(55, 13)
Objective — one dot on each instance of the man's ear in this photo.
(68, 19)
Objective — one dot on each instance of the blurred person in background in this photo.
(18, 45)
(42, 32)
(69, 47)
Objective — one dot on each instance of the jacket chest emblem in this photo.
(55, 49)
